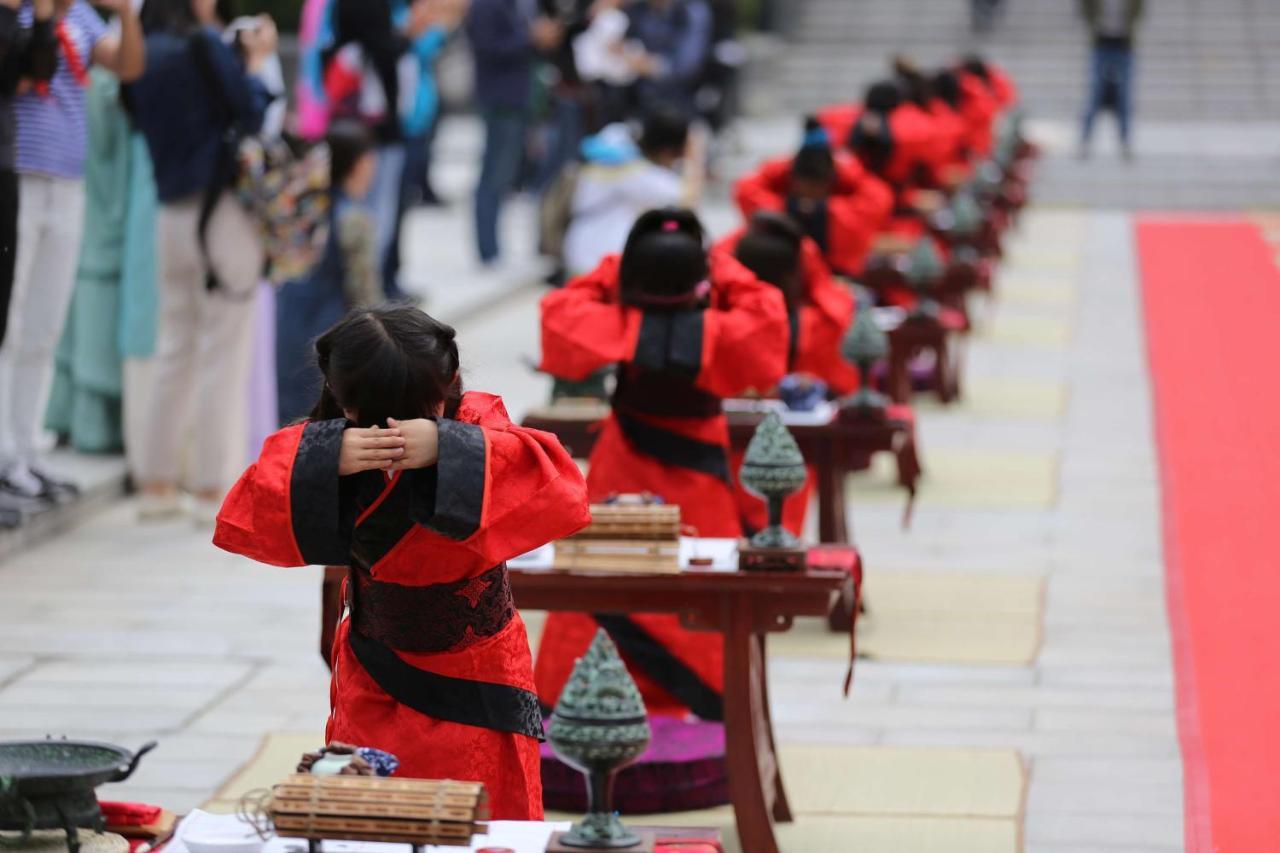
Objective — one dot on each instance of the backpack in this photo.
(287, 194)
(285, 191)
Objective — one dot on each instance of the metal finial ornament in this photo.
(925, 269)
(598, 727)
(865, 345)
(966, 212)
(773, 468)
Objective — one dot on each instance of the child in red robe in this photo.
(837, 202)
(686, 329)
(820, 312)
(424, 493)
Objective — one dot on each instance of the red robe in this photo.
(825, 315)
(826, 312)
(918, 141)
(859, 205)
(430, 544)
(978, 108)
(1002, 86)
(698, 358)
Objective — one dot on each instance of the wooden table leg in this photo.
(832, 524)
(781, 808)
(754, 782)
(942, 371)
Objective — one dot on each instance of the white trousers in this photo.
(50, 224)
(198, 408)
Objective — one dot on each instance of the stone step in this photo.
(102, 480)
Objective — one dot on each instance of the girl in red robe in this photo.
(820, 309)
(424, 493)
(820, 312)
(686, 329)
(837, 202)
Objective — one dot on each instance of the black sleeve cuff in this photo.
(449, 498)
(315, 498)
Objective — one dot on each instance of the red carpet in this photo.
(1212, 295)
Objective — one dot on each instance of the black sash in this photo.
(436, 618)
(656, 661)
(663, 394)
(498, 707)
(674, 449)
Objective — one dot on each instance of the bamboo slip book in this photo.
(625, 538)
(360, 808)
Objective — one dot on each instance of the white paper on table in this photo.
(520, 836)
(821, 414)
(723, 554)
(888, 317)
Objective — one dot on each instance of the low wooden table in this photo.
(917, 335)
(745, 608)
(834, 448)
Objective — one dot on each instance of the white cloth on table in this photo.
(518, 836)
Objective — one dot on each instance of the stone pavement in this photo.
(125, 633)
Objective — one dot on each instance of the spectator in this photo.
(419, 119)
(52, 138)
(30, 54)
(112, 314)
(24, 53)
(346, 277)
(606, 61)
(621, 180)
(676, 36)
(366, 35)
(195, 91)
(505, 36)
(1112, 24)
(568, 96)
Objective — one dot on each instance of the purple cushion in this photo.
(683, 770)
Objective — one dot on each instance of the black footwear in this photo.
(11, 517)
(55, 488)
(15, 507)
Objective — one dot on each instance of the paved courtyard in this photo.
(127, 633)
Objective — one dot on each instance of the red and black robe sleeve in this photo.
(586, 327)
(764, 189)
(839, 120)
(857, 211)
(499, 489)
(745, 335)
(825, 317)
(288, 508)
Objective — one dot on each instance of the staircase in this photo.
(1207, 89)
(1199, 60)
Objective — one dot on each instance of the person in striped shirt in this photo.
(52, 139)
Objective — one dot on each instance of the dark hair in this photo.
(168, 16)
(947, 87)
(385, 363)
(665, 259)
(977, 66)
(882, 97)
(665, 129)
(771, 247)
(814, 161)
(914, 83)
(871, 141)
(348, 141)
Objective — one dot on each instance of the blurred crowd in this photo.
(176, 227)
